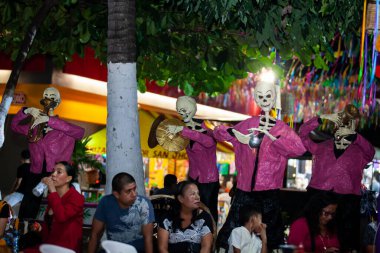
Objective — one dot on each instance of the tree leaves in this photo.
(194, 44)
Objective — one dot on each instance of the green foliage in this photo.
(196, 45)
(81, 156)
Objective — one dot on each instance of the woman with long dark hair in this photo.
(188, 228)
(316, 228)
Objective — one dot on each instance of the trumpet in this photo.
(35, 136)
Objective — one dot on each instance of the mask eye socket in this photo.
(268, 96)
(261, 97)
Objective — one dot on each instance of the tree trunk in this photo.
(123, 132)
(19, 63)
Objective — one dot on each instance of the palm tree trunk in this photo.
(123, 132)
(20, 60)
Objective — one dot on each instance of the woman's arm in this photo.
(206, 243)
(163, 240)
(147, 231)
(3, 224)
(236, 250)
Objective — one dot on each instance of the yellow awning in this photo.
(97, 144)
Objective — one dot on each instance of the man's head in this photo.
(250, 217)
(186, 107)
(170, 181)
(124, 189)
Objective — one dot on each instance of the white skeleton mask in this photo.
(265, 95)
(342, 143)
(53, 94)
(186, 107)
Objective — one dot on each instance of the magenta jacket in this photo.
(343, 174)
(273, 155)
(202, 155)
(57, 145)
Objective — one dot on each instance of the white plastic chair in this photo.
(49, 248)
(117, 247)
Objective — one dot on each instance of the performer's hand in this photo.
(264, 131)
(50, 184)
(39, 120)
(174, 129)
(242, 138)
(33, 111)
(334, 117)
(344, 131)
(332, 250)
(262, 231)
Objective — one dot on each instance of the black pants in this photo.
(30, 204)
(209, 196)
(348, 219)
(268, 202)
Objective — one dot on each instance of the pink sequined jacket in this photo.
(202, 155)
(272, 158)
(343, 174)
(57, 145)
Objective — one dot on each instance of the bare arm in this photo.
(96, 233)
(236, 250)
(16, 184)
(163, 240)
(3, 224)
(206, 243)
(147, 231)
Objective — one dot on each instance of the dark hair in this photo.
(25, 154)
(246, 212)
(120, 180)
(170, 180)
(176, 211)
(313, 211)
(70, 170)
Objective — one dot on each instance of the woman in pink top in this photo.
(316, 229)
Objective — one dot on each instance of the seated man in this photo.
(126, 216)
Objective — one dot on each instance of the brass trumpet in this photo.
(34, 136)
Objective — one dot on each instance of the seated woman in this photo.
(188, 228)
(64, 213)
(316, 229)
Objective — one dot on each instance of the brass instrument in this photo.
(171, 142)
(34, 136)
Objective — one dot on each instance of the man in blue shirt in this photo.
(126, 216)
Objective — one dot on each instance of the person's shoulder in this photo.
(75, 194)
(300, 222)
(107, 199)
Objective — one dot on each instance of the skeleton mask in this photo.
(342, 143)
(265, 95)
(186, 108)
(51, 98)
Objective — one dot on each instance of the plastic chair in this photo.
(50, 248)
(117, 247)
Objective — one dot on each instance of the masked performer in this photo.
(338, 165)
(262, 146)
(50, 140)
(201, 152)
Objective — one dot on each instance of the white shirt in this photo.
(242, 239)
